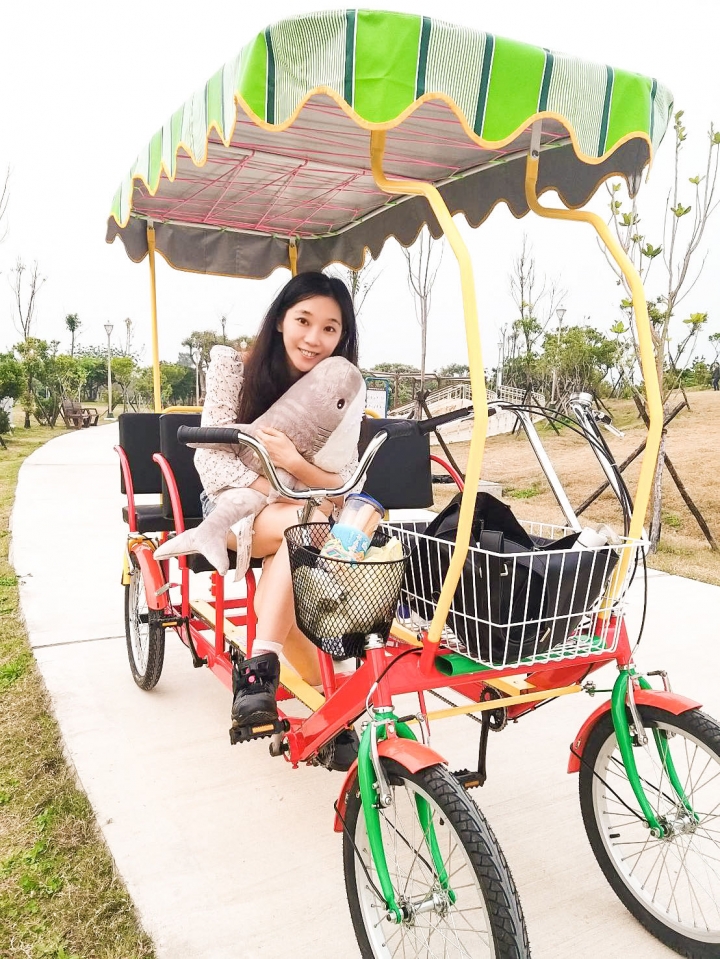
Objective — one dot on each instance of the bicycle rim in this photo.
(452, 931)
(139, 626)
(675, 879)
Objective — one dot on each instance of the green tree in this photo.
(670, 269)
(11, 376)
(124, 372)
(72, 322)
(579, 358)
(34, 355)
(454, 369)
(402, 386)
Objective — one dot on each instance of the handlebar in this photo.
(230, 435)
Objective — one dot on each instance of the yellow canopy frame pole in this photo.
(642, 323)
(292, 255)
(477, 378)
(153, 318)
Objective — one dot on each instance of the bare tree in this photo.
(536, 302)
(682, 236)
(4, 201)
(359, 282)
(25, 299)
(423, 261)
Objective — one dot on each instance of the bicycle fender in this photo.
(151, 574)
(409, 753)
(670, 702)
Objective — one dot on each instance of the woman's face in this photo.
(311, 331)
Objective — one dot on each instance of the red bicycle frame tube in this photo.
(660, 698)
(169, 478)
(129, 488)
(152, 577)
(448, 469)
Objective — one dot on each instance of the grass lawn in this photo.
(693, 444)
(60, 897)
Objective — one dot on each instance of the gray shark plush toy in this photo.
(321, 414)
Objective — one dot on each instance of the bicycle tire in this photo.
(145, 639)
(682, 868)
(479, 875)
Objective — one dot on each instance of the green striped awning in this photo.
(274, 149)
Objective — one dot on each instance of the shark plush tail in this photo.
(210, 537)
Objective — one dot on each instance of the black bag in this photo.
(517, 604)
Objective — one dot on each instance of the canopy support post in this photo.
(642, 324)
(293, 255)
(153, 318)
(477, 380)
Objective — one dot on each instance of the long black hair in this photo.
(267, 373)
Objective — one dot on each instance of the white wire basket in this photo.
(515, 608)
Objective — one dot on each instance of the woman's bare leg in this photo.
(297, 648)
(274, 598)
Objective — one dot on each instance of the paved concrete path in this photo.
(231, 855)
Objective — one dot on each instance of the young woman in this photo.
(311, 319)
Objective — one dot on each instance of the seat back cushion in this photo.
(180, 458)
(140, 438)
(400, 475)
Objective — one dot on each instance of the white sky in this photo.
(84, 85)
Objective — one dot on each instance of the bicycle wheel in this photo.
(671, 885)
(144, 636)
(486, 918)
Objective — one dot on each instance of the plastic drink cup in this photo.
(352, 533)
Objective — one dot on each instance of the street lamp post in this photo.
(109, 414)
(196, 357)
(223, 321)
(128, 327)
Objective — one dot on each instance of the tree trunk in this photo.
(656, 522)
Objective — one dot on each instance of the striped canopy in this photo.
(274, 150)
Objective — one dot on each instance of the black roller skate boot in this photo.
(254, 709)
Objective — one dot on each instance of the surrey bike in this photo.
(328, 134)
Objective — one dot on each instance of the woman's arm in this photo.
(283, 454)
(223, 384)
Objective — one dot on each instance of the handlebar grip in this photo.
(426, 426)
(395, 428)
(226, 435)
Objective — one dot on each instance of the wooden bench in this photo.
(77, 416)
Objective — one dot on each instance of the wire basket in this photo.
(516, 608)
(338, 603)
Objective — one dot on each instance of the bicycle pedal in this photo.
(244, 734)
(469, 779)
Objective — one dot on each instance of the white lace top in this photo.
(222, 468)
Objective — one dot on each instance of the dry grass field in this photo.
(693, 445)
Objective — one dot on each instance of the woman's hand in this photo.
(281, 449)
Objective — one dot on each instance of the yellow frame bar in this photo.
(477, 371)
(503, 702)
(153, 319)
(644, 335)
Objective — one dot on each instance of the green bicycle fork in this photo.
(370, 799)
(619, 699)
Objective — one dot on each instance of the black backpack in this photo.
(517, 597)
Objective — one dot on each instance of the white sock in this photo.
(261, 646)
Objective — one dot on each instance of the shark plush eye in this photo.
(340, 404)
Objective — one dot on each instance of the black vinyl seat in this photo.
(140, 439)
(400, 476)
(181, 460)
